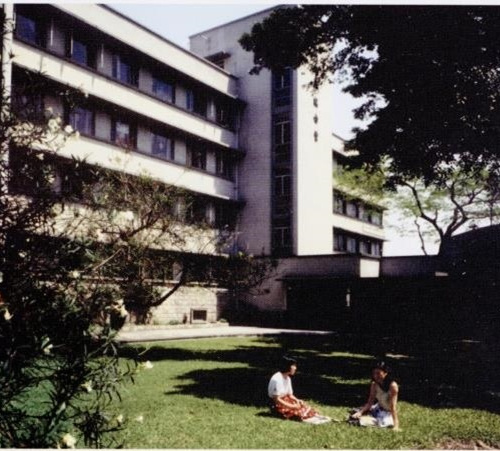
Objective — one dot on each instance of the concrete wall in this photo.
(416, 266)
(272, 296)
(177, 308)
(254, 172)
(313, 167)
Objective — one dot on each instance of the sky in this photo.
(176, 22)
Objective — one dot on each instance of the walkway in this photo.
(158, 334)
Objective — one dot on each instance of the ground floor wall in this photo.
(191, 305)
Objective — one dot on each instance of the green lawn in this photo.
(211, 393)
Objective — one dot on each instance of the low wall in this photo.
(178, 307)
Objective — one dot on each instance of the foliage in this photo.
(59, 368)
(149, 240)
(437, 209)
(434, 67)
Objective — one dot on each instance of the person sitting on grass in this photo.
(283, 400)
(384, 390)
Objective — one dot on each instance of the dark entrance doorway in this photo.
(318, 303)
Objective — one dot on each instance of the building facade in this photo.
(256, 151)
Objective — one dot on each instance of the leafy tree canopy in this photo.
(436, 68)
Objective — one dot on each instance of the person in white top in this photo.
(384, 390)
(284, 401)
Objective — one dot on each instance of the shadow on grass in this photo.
(335, 370)
(248, 387)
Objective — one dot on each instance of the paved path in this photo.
(157, 334)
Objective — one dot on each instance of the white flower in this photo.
(68, 441)
(139, 419)
(40, 156)
(22, 254)
(68, 129)
(119, 419)
(87, 386)
(53, 125)
(48, 349)
(75, 274)
(123, 311)
(128, 215)
(6, 315)
(147, 365)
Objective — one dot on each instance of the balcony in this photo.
(108, 89)
(110, 156)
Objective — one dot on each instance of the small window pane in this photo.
(122, 134)
(163, 90)
(82, 120)
(162, 147)
(29, 29)
(80, 52)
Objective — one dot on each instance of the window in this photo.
(82, 119)
(197, 211)
(223, 165)
(27, 102)
(282, 132)
(376, 248)
(123, 70)
(223, 114)
(282, 237)
(199, 316)
(351, 209)
(163, 90)
(282, 185)
(352, 244)
(82, 52)
(198, 157)
(30, 29)
(282, 154)
(122, 134)
(196, 102)
(365, 247)
(339, 203)
(377, 217)
(163, 147)
(225, 216)
(189, 100)
(282, 88)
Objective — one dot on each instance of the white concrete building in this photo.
(257, 150)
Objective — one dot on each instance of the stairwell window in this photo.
(282, 132)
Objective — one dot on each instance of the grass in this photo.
(211, 393)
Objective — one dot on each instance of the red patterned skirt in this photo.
(298, 413)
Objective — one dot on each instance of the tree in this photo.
(438, 209)
(59, 366)
(435, 68)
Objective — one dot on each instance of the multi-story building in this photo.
(257, 151)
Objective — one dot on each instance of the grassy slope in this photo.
(211, 394)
